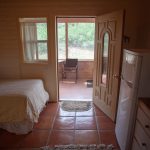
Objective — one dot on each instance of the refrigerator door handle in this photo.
(129, 84)
(122, 77)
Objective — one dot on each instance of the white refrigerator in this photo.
(135, 83)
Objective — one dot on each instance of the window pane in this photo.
(42, 51)
(61, 41)
(81, 40)
(41, 31)
(30, 53)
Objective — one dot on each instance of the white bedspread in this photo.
(21, 101)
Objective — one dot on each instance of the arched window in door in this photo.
(105, 54)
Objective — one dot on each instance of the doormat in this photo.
(78, 106)
(80, 147)
(89, 83)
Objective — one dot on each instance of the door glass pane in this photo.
(105, 52)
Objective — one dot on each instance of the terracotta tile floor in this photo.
(68, 90)
(57, 126)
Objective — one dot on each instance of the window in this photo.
(34, 39)
(76, 38)
(81, 40)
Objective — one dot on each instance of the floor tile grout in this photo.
(52, 125)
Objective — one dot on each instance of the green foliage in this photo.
(79, 34)
(42, 35)
(41, 31)
(80, 37)
(61, 32)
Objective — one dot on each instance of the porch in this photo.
(81, 90)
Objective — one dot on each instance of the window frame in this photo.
(34, 20)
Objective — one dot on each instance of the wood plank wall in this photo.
(11, 65)
(143, 40)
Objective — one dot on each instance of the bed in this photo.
(21, 102)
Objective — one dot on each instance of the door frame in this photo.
(56, 33)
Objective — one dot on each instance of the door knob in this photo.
(115, 76)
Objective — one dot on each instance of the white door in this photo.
(108, 52)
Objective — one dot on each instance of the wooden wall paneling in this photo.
(10, 11)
